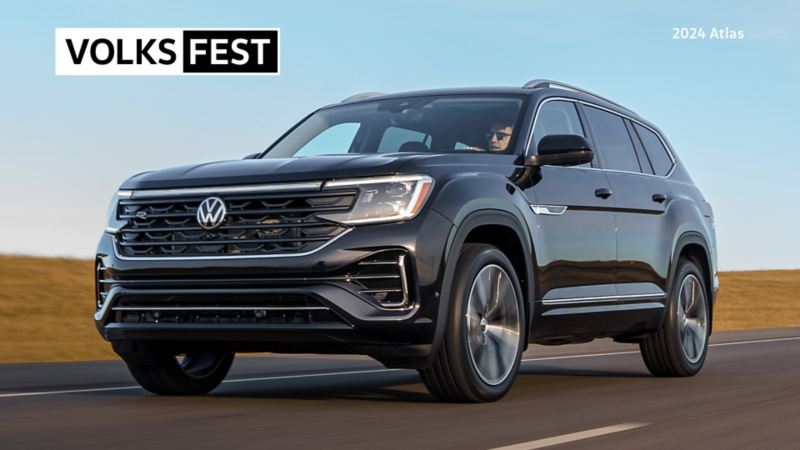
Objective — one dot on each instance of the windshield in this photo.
(433, 124)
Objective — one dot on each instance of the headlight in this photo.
(383, 199)
(113, 222)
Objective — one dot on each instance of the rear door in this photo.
(574, 235)
(640, 199)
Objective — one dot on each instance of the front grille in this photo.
(256, 224)
(243, 308)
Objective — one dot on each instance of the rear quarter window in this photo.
(659, 157)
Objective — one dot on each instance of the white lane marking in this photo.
(308, 375)
(755, 341)
(634, 352)
(235, 380)
(591, 355)
(355, 372)
(572, 437)
(68, 391)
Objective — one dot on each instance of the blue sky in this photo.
(728, 107)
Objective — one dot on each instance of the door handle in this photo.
(659, 198)
(602, 193)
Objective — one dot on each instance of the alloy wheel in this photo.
(692, 318)
(493, 324)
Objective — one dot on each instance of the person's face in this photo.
(498, 136)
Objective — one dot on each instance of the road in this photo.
(596, 395)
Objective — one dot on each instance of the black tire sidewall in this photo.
(685, 269)
(158, 370)
(471, 262)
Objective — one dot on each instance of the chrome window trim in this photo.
(625, 116)
(601, 299)
(219, 257)
(302, 186)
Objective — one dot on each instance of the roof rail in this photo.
(540, 83)
(360, 96)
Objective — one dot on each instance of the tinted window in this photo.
(386, 125)
(334, 140)
(394, 138)
(644, 161)
(655, 150)
(557, 117)
(612, 140)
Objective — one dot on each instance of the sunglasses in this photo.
(500, 135)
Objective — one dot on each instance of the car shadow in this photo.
(401, 386)
(573, 372)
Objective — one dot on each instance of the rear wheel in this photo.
(480, 354)
(166, 373)
(679, 347)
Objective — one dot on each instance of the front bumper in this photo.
(308, 303)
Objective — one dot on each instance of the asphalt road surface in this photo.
(596, 395)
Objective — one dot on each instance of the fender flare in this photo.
(455, 243)
(687, 238)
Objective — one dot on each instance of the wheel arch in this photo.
(496, 227)
(693, 246)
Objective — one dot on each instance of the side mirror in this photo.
(561, 150)
(252, 156)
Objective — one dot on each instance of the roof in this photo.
(545, 88)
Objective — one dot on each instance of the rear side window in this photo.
(612, 140)
(655, 149)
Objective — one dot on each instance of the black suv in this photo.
(440, 230)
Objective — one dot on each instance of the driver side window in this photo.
(557, 117)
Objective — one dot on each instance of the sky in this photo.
(729, 108)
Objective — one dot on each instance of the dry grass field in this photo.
(46, 307)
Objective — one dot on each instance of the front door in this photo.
(574, 237)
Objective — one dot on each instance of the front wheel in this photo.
(166, 373)
(679, 347)
(480, 355)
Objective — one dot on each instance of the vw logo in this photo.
(211, 213)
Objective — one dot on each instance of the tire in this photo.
(679, 347)
(164, 373)
(480, 354)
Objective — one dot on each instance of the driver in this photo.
(498, 136)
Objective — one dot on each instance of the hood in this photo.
(270, 170)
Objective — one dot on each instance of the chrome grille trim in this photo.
(219, 257)
(256, 188)
(274, 222)
(220, 308)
